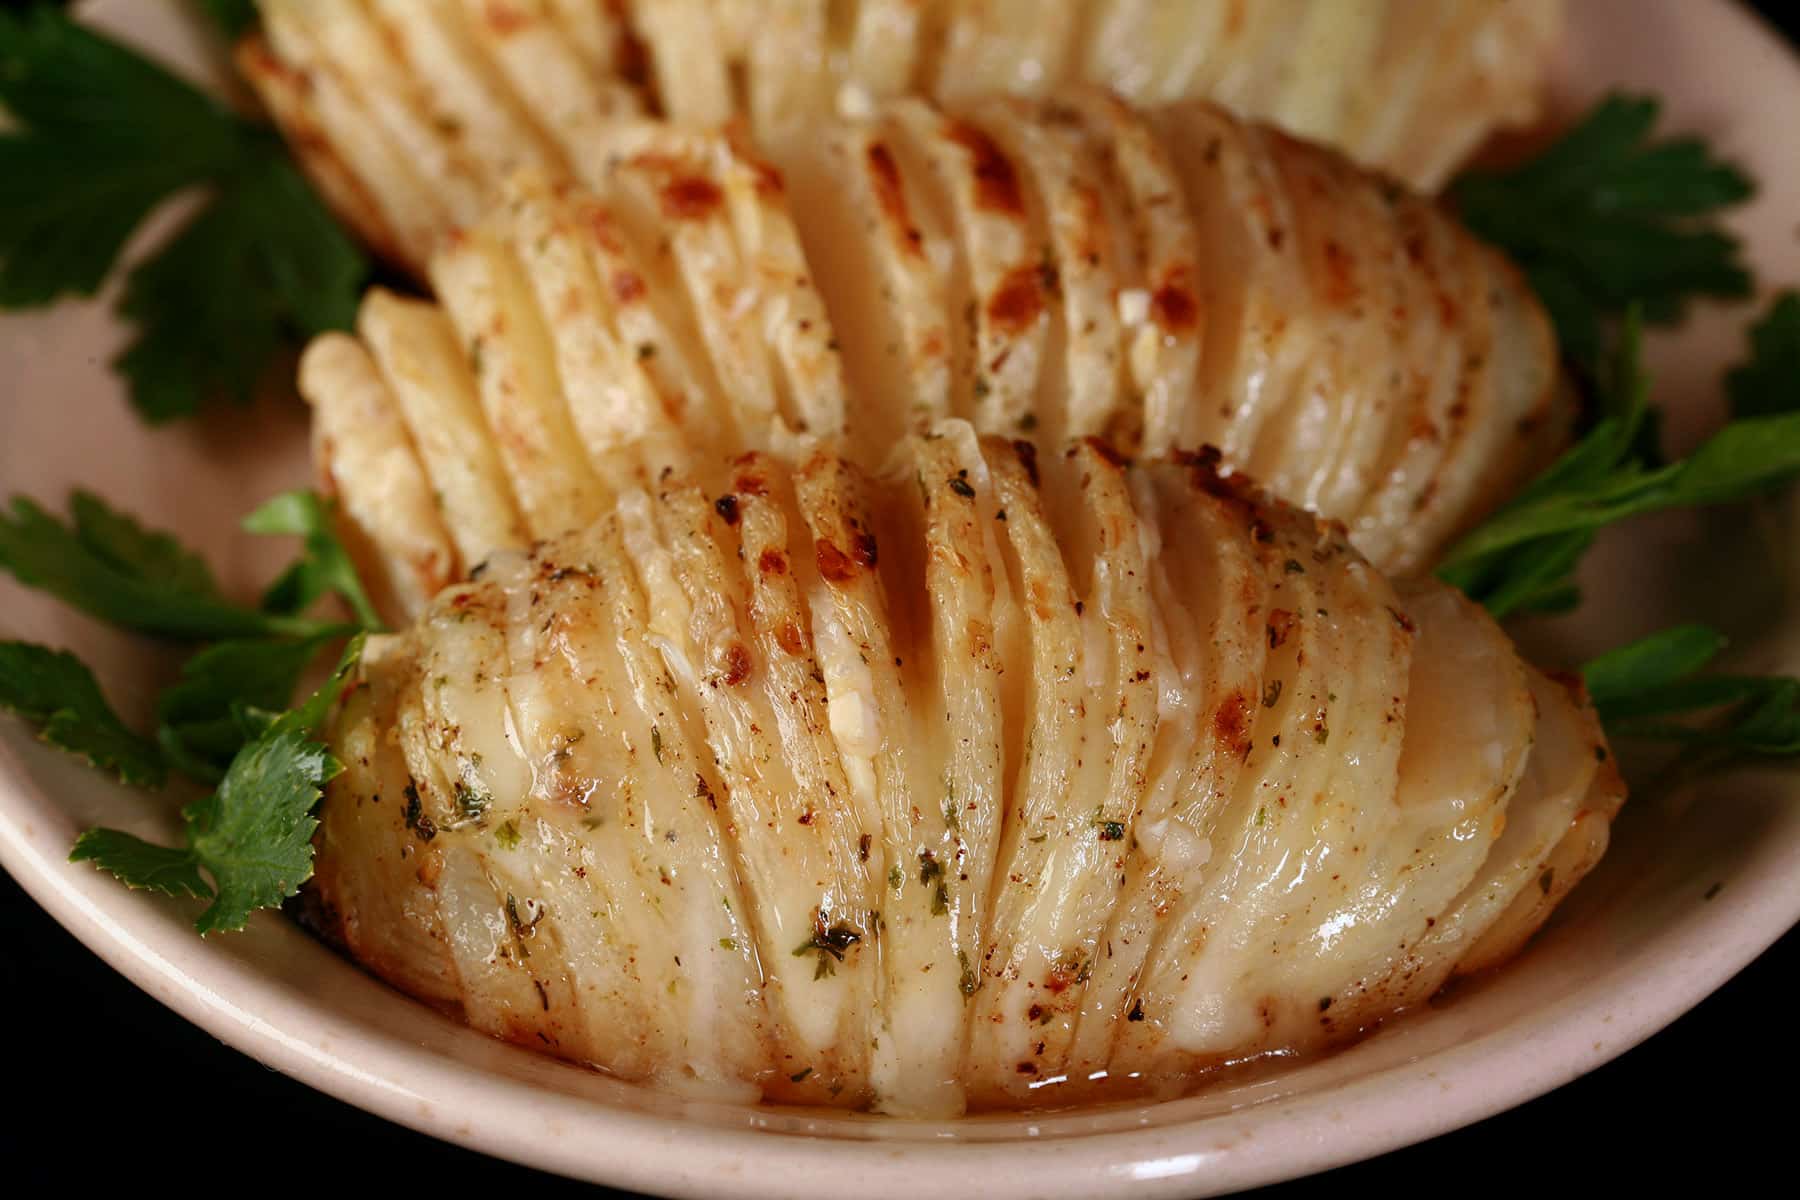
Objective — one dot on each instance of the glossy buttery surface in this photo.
(410, 113)
(986, 784)
(1636, 945)
(1167, 279)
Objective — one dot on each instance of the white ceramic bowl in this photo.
(1696, 885)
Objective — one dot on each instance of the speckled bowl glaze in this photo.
(1698, 882)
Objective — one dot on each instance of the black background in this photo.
(111, 1091)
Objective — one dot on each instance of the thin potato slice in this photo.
(1148, 51)
(880, 53)
(670, 199)
(422, 363)
(1007, 46)
(796, 831)
(1416, 447)
(891, 758)
(998, 275)
(787, 69)
(574, 106)
(1049, 938)
(1079, 277)
(367, 460)
(495, 314)
(1163, 323)
(651, 321)
(956, 672)
(1484, 68)
(1470, 418)
(1310, 82)
(286, 92)
(690, 59)
(1336, 236)
(408, 204)
(597, 32)
(795, 323)
(1253, 293)
(1256, 38)
(466, 95)
(1211, 647)
(879, 269)
(353, 44)
(611, 400)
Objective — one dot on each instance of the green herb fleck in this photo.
(414, 814)
(929, 867)
(931, 874)
(829, 944)
(471, 802)
(522, 928)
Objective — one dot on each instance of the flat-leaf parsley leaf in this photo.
(105, 564)
(1523, 557)
(1769, 381)
(1608, 218)
(324, 565)
(206, 716)
(252, 836)
(101, 136)
(1654, 689)
(53, 689)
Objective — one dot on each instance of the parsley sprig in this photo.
(252, 835)
(1523, 558)
(1609, 218)
(221, 723)
(100, 137)
(1655, 689)
(54, 690)
(103, 562)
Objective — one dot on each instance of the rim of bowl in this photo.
(406, 1082)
